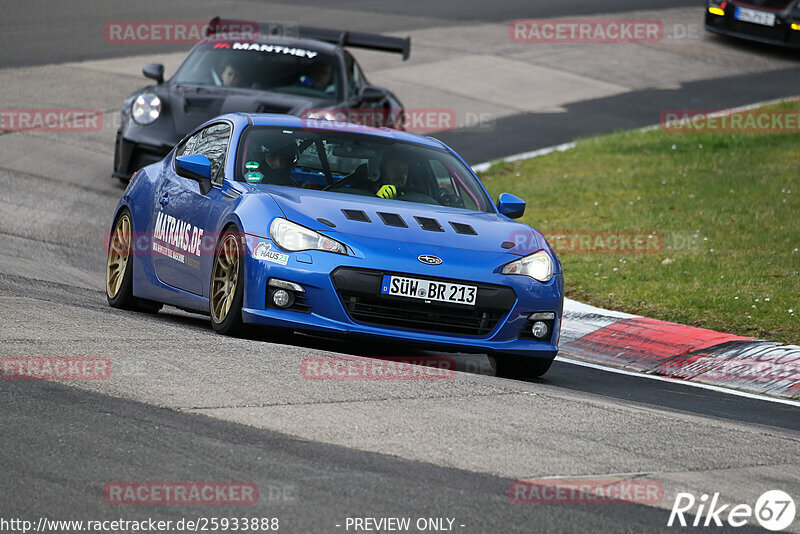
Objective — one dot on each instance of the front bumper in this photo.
(332, 281)
(781, 34)
(138, 146)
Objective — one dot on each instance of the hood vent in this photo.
(264, 107)
(392, 219)
(432, 225)
(198, 102)
(326, 222)
(462, 228)
(356, 215)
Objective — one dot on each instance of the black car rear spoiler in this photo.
(372, 41)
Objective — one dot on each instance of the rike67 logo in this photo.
(774, 510)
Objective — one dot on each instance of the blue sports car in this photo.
(311, 225)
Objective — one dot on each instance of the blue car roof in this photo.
(291, 121)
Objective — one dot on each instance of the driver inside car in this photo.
(394, 175)
(319, 77)
(272, 162)
(394, 181)
(279, 160)
(231, 75)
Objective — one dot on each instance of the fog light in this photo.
(282, 298)
(795, 26)
(539, 329)
(716, 11)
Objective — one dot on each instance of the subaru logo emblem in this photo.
(427, 259)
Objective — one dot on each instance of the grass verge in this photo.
(726, 207)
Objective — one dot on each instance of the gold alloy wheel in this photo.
(224, 278)
(119, 251)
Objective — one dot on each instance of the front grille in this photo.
(359, 290)
(776, 33)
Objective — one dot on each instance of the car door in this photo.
(181, 223)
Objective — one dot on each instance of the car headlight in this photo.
(293, 237)
(146, 108)
(538, 266)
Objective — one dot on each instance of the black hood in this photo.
(190, 105)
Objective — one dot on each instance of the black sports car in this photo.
(766, 21)
(299, 71)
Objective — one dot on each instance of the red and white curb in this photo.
(677, 351)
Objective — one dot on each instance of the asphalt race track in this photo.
(185, 404)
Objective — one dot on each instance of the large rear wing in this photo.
(372, 41)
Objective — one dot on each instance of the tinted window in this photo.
(266, 67)
(357, 164)
(355, 78)
(212, 142)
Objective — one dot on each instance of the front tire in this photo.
(119, 268)
(227, 285)
(511, 366)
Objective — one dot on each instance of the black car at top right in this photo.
(767, 21)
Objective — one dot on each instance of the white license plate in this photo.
(755, 16)
(429, 290)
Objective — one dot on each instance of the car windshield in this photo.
(357, 164)
(266, 67)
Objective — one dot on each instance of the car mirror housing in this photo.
(154, 71)
(372, 94)
(195, 167)
(511, 206)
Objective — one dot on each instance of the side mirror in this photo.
(195, 167)
(372, 94)
(154, 71)
(511, 206)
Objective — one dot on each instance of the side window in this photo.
(188, 146)
(355, 79)
(448, 180)
(212, 142)
(443, 179)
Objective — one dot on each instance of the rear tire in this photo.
(511, 366)
(227, 285)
